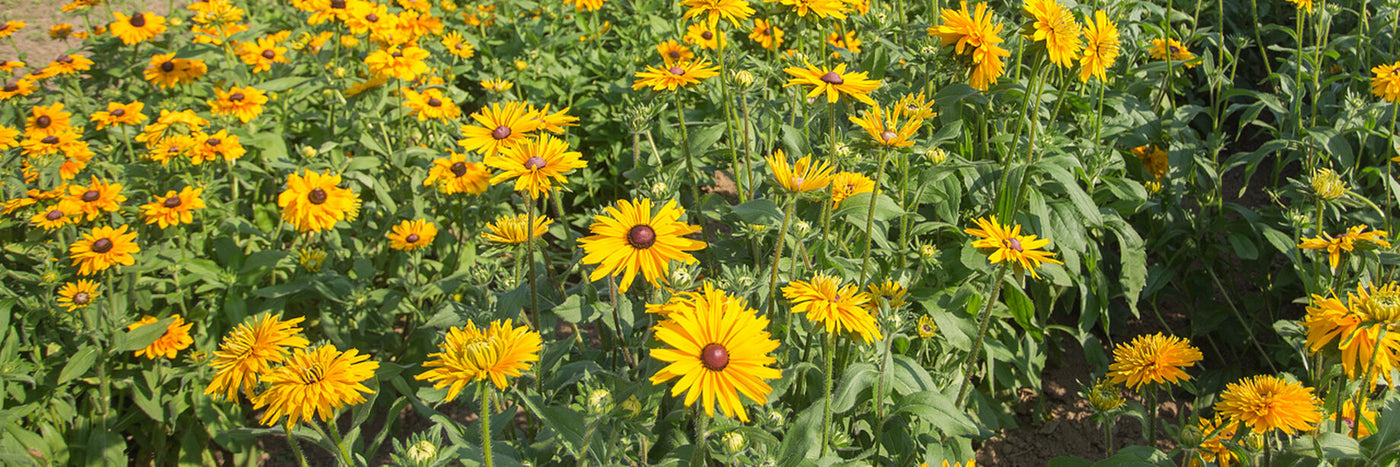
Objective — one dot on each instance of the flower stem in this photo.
(828, 348)
(689, 161)
(484, 419)
(296, 448)
(970, 366)
(1152, 416)
(342, 450)
(700, 453)
(530, 260)
(870, 215)
(729, 120)
(777, 258)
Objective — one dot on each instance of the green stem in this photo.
(484, 419)
(777, 259)
(870, 214)
(1152, 415)
(296, 448)
(729, 118)
(828, 348)
(530, 260)
(700, 452)
(970, 365)
(342, 450)
(879, 396)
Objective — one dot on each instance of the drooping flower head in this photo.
(630, 238)
(839, 308)
(536, 164)
(248, 352)
(716, 348)
(802, 176)
(1354, 238)
(1005, 243)
(1152, 359)
(1329, 320)
(470, 354)
(314, 383)
(1266, 403)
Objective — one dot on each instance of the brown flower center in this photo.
(91, 195)
(43, 121)
(707, 35)
(887, 135)
(396, 54)
(832, 77)
(312, 374)
(65, 59)
(674, 54)
(1014, 243)
(373, 18)
(138, 20)
(501, 132)
(459, 169)
(81, 298)
(172, 202)
(317, 196)
(715, 357)
(411, 238)
(118, 112)
(12, 87)
(213, 141)
(433, 101)
(54, 215)
(236, 97)
(168, 66)
(675, 70)
(535, 163)
(269, 54)
(641, 237)
(338, 4)
(101, 245)
(49, 140)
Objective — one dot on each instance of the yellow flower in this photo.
(1105, 396)
(820, 8)
(927, 329)
(1358, 427)
(1266, 403)
(1367, 349)
(453, 175)
(457, 46)
(973, 33)
(915, 107)
(52, 218)
(673, 52)
(1355, 237)
(313, 383)
(716, 349)
(1386, 83)
(1054, 25)
(472, 354)
(585, 5)
(534, 162)
(48, 120)
(1328, 185)
(766, 35)
(801, 177)
(221, 145)
(314, 202)
(394, 62)
(498, 127)
(553, 122)
(513, 230)
(411, 235)
(1305, 5)
(1161, 50)
(119, 114)
(311, 258)
(847, 42)
(888, 295)
(166, 71)
(10, 27)
(1152, 359)
(244, 103)
(103, 248)
(261, 54)
(847, 184)
(676, 76)
(885, 129)
(173, 208)
(704, 36)
(431, 103)
(734, 11)
(249, 350)
(76, 295)
(833, 83)
(1328, 320)
(1154, 159)
(629, 238)
(1217, 431)
(1100, 48)
(176, 338)
(138, 27)
(840, 309)
(496, 84)
(1005, 243)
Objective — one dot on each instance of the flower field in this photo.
(700, 232)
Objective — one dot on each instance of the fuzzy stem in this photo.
(777, 259)
(970, 366)
(828, 348)
(296, 448)
(870, 214)
(484, 419)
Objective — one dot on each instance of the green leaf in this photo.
(143, 336)
(759, 211)
(1134, 258)
(281, 84)
(701, 141)
(803, 439)
(567, 423)
(939, 411)
(79, 363)
(858, 378)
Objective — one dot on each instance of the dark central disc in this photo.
(102, 245)
(411, 238)
(535, 163)
(501, 132)
(91, 195)
(675, 70)
(832, 78)
(459, 169)
(317, 196)
(641, 237)
(138, 20)
(172, 202)
(714, 357)
(81, 298)
(54, 215)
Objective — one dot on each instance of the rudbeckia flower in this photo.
(630, 238)
(138, 27)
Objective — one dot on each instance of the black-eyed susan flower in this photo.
(176, 337)
(10, 65)
(166, 149)
(139, 27)
(1162, 49)
(76, 295)
(1354, 238)
(631, 239)
(1054, 25)
(1357, 422)
(61, 31)
(1100, 47)
(847, 184)
(675, 76)
(67, 64)
(974, 36)
(496, 85)
(453, 174)
(1217, 431)
(458, 46)
(717, 348)
(768, 36)
(889, 294)
(498, 127)
(926, 327)
(170, 123)
(37, 144)
(52, 217)
(174, 208)
(314, 383)
(704, 36)
(10, 27)
(94, 198)
(514, 230)
(470, 354)
(1266, 403)
(838, 308)
(24, 86)
(847, 42)
(802, 176)
(241, 102)
(262, 54)
(914, 107)
(167, 71)
(119, 114)
(585, 5)
(411, 235)
(1305, 5)
(1152, 359)
(733, 11)
(431, 104)
(9, 137)
(835, 9)
(365, 17)
(673, 52)
(404, 63)
(1154, 159)
(1005, 243)
(553, 122)
(1386, 82)
(833, 83)
(47, 120)
(103, 248)
(314, 202)
(885, 129)
(535, 164)
(220, 145)
(249, 351)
